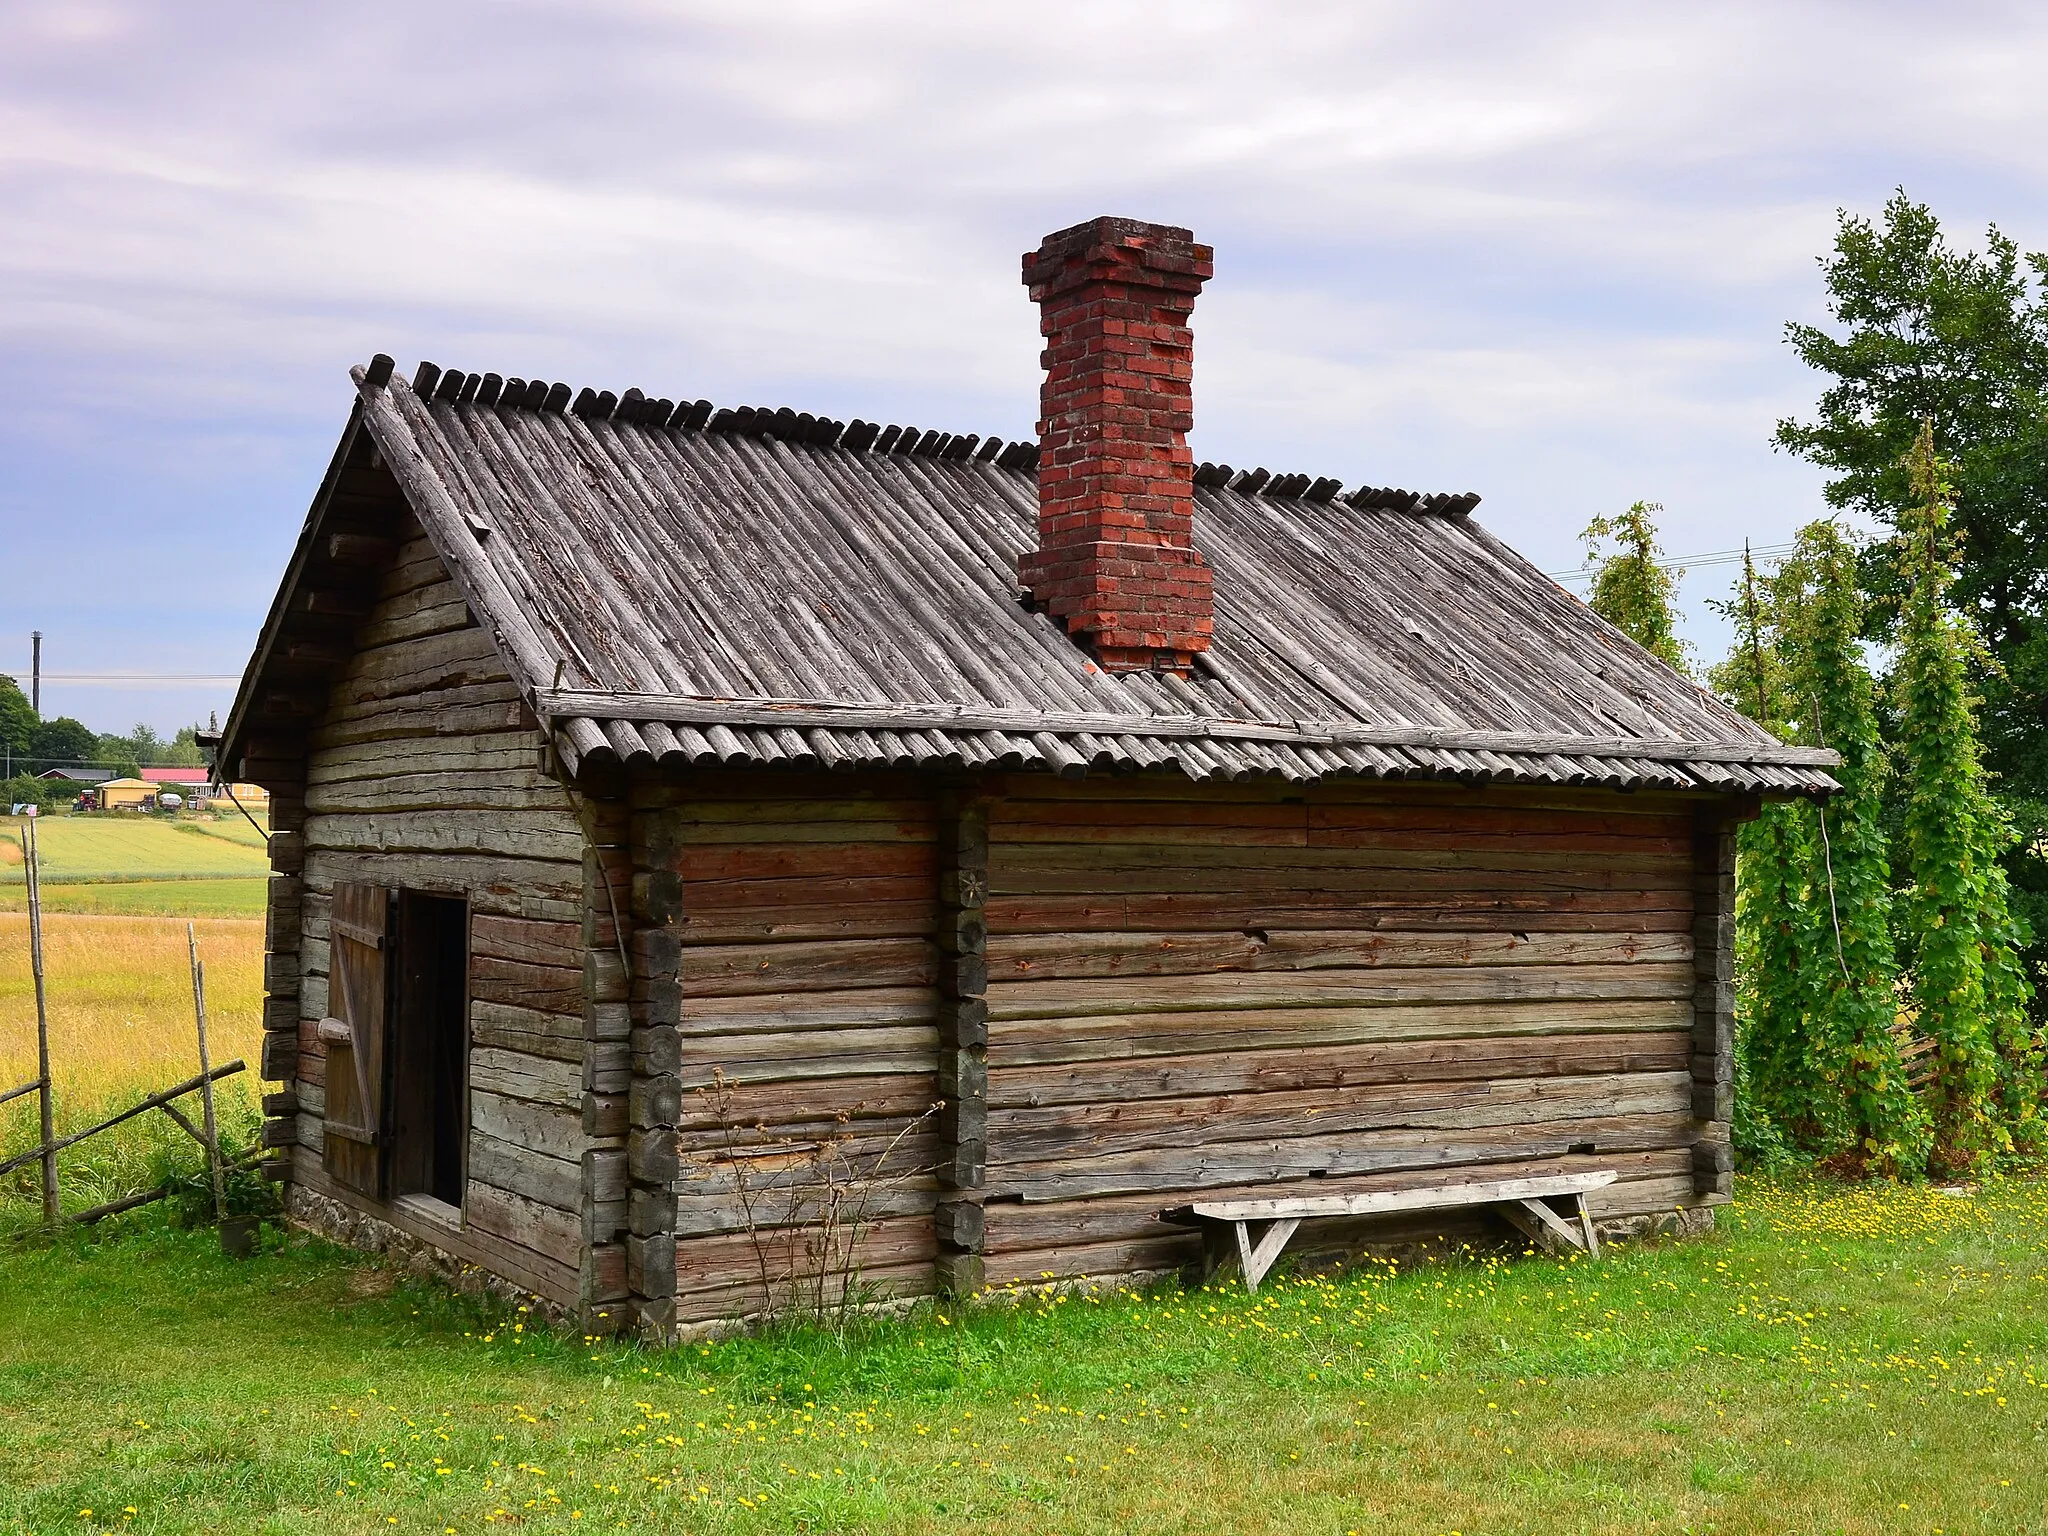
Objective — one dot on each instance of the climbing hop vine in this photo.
(1969, 994)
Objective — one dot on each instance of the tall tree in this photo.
(1631, 589)
(1777, 942)
(1959, 338)
(63, 743)
(184, 750)
(1968, 988)
(17, 721)
(1862, 1105)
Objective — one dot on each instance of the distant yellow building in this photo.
(127, 794)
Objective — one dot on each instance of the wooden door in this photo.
(357, 1034)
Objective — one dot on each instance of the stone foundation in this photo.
(351, 1228)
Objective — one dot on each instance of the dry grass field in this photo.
(120, 1000)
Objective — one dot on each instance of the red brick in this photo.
(1116, 559)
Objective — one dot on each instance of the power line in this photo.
(210, 679)
(1689, 562)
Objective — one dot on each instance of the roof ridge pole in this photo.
(1116, 560)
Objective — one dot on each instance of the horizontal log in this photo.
(519, 1076)
(495, 789)
(531, 1021)
(704, 1214)
(1357, 988)
(1109, 1037)
(855, 823)
(1327, 1066)
(550, 1130)
(1059, 869)
(527, 941)
(550, 835)
(468, 710)
(554, 1234)
(803, 861)
(1087, 1131)
(853, 1008)
(810, 1054)
(562, 1040)
(1054, 956)
(744, 898)
(799, 1155)
(1120, 836)
(533, 1175)
(1174, 1170)
(1645, 1197)
(741, 969)
(407, 666)
(743, 1299)
(552, 989)
(764, 922)
(1475, 910)
(1669, 858)
(733, 1259)
(500, 756)
(1163, 1250)
(427, 612)
(507, 886)
(812, 1101)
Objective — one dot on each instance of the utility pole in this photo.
(35, 672)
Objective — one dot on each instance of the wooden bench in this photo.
(1524, 1202)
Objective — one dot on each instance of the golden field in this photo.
(120, 998)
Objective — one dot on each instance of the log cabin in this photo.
(687, 819)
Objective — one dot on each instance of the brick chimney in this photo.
(1116, 560)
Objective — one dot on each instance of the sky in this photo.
(1542, 252)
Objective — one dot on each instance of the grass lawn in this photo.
(1856, 1361)
(140, 866)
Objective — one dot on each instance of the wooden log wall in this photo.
(1131, 991)
(1350, 986)
(802, 911)
(426, 771)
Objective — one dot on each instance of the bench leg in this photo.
(1540, 1222)
(1256, 1259)
(1586, 1227)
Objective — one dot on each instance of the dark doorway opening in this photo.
(430, 1040)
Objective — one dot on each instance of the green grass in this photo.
(135, 865)
(201, 896)
(118, 846)
(231, 826)
(1861, 1361)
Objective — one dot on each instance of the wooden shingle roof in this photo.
(680, 585)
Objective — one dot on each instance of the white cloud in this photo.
(1542, 252)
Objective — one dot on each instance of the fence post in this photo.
(220, 1198)
(32, 869)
